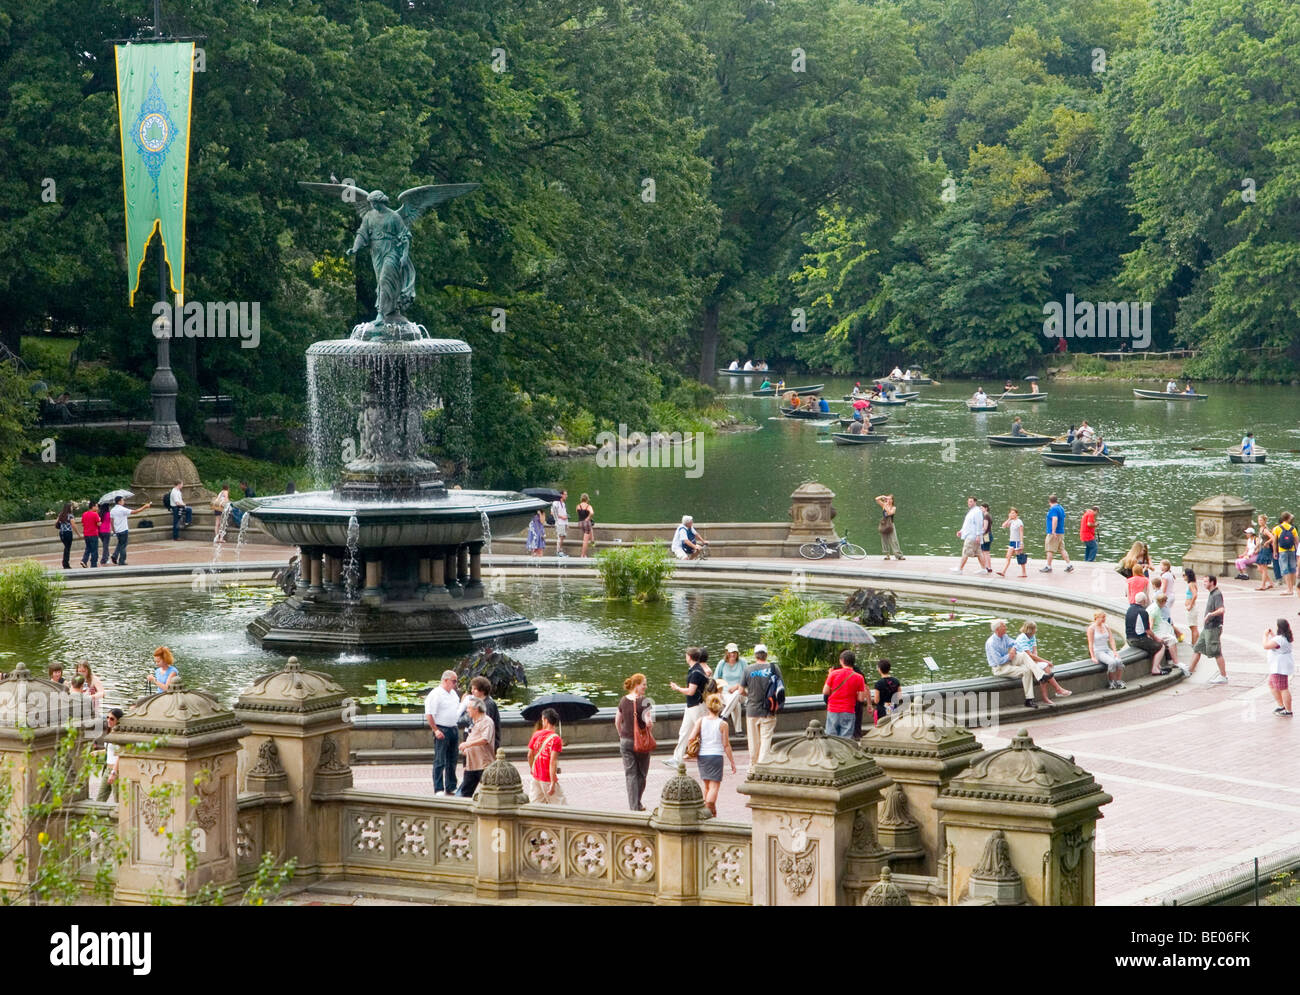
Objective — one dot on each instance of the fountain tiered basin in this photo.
(390, 558)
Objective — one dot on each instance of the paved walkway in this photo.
(1204, 776)
(167, 552)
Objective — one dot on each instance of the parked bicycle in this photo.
(819, 549)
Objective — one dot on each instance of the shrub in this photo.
(505, 672)
(786, 613)
(28, 593)
(579, 427)
(1089, 366)
(640, 570)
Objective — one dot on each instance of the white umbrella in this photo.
(112, 496)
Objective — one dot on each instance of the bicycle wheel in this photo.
(812, 550)
(852, 551)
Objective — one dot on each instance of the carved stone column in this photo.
(921, 749)
(177, 775)
(1022, 812)
(33, 713)
(677, 820)
(814, 802)
(496, 802)
(306, 718)
(474, 588)
(810, 516)
(1221, 524)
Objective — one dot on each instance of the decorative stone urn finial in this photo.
(500, 786)
(886, 892)
(682, 802)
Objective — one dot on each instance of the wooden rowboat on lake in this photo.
(772, 391)
(809, 413)
(1081, 459)
(874, 419)
(849, 439)
(1164, 395)
(1023, 397)
(991, 406)
(1258, 456)
(1019, 440)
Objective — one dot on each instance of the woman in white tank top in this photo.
(714, 737)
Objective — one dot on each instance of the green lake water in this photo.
(937, 454)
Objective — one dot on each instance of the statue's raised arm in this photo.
(387, 233)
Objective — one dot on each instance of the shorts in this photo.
(1054, 544)
(986, 546)
(681, 554)
(970, 547)
(1278, 682)
(1286, 560)
(1207, 643)
(710, 768)
(586, 526)
(561, 528)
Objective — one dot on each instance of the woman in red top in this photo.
(90, 532)
(543, 752)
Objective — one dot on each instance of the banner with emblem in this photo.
(154, 86)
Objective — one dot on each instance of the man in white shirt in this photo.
(109, 781)
(561, 515)
(441, 709)
(735, 365)
(1171, 388)
(981, 398)
(177, 501)
(971, 533)
(896, 373)
(118, 517)
(749, 364)
(687, 543)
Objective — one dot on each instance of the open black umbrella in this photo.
(571, 707)
(1031, 378)
(543, 493)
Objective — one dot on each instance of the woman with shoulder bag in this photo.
(633, 720)
(888, 534)
(711, 742)
(64, 525)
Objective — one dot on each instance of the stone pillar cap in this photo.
(920, 732)
(814, 759)
(177, 713)
(292, 689)
(812, 489)
(1025, 773)
(1223, 502)
(885, 892)
(28, 702)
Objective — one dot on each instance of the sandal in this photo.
(1064, 693)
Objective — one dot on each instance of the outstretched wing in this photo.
(345, 192)
(417, 200)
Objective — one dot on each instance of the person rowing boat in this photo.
(1017, 428)
(1248, 444)
(897, 374)
(980, 399)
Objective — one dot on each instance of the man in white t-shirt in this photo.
(687, 543)
(118, 517)
(441, 709)
(971, 533)
(179, 508)
(896, 373)
(561, 515)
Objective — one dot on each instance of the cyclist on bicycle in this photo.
(687, 543)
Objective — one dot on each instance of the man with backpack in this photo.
(764, 691)
(1287, 540)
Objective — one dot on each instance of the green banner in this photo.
(154, 84)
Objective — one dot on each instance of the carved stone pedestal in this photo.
(1221, 524)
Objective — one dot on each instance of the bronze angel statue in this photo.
(387, 233)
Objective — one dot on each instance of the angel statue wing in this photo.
(417, 200)
(349, 194)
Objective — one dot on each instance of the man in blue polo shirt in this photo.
(1006, 661)
(1055, 541)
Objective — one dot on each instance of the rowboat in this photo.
(849, 439)
(897, 396)
(810, 413)
(874, 419)
(1059, 447)
(888, 404)
(1258, 456)
(1023, 397)
(991, 406)
(906, 396)
(1019, 440)
(917, 380)
(1164, 395)
(771, 391)
(743, 373)
(1081, 459)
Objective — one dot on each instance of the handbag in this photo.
(643, 740)
(886, 525)
(826, 698)
(693, 747)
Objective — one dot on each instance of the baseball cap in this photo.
(732, 648)
(760, 650)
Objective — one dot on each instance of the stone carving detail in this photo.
(152, 769)
(103, 841)
(726, 866)
(587, 854)
(245, 846)
(209, 796)
(797, 870)
(863, 842)
(894, 812)
(542, 850)
(329, 758)
(412, 837)
(454, 841)
(268, 761)
(885, 892)
(1072, 850)
(368, 837)
(1209, 528)
(995, 863)
(155, 813)
(636, 858)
